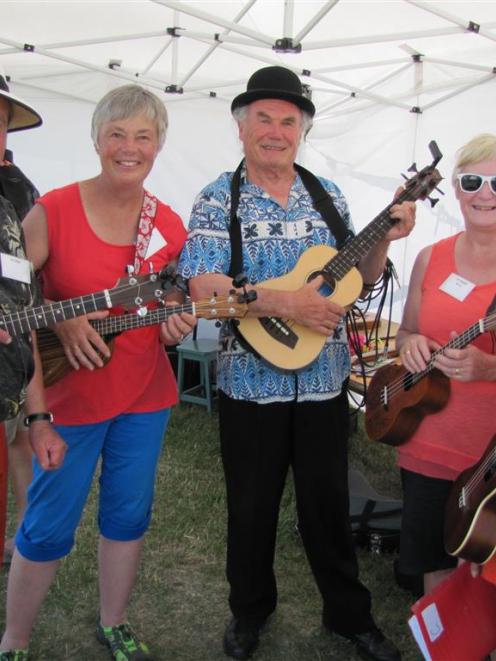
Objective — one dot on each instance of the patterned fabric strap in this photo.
(145, 229)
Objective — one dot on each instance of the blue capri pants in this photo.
(129, 446)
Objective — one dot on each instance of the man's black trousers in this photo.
(259, 442)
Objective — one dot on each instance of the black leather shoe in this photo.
(241, 638)
(374, 645)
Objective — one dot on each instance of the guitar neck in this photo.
(459, 342)
(43, 316)
(119, 323)
(351, 253)
(213, 308)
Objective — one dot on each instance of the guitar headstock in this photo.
(423, 182)
(232, 306)
(134, 290)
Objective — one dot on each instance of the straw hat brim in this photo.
(23, 115)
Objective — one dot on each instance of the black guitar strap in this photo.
(236, 266)
(322, 203)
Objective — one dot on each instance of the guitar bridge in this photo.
(279, 330)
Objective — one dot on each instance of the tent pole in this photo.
(316, 19)
(481, 81)
(471, 26)
(216, 20)
(157, 56)
(380, 38)
(287, 26)
(200, 62)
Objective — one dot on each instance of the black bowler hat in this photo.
(274, 83)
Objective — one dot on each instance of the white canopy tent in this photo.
(387, 77)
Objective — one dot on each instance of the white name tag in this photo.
(15, 268)
(456, 286)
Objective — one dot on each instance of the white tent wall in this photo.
(364, 146)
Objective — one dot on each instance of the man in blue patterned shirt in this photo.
(270, 418)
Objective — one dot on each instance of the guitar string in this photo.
(382, 221)
(479, 473)
(133, 321)
(341, 263)
(414, 377)
(349, 255)
(346, 258)
(459, 341)
(27, 315)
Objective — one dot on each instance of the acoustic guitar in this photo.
(397, 400)
(56, 365)
(289, 345)
(470, 518)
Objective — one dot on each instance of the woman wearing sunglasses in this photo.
(453, 283)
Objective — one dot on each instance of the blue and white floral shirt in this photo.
(273, 240)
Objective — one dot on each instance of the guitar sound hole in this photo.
(328, 286)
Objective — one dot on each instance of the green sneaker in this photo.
(14, 655)
(123, 643)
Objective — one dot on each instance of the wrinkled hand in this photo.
(404, 213)
(5, 337)
(48, 446)
(416, 352)
(469, 364)
(83, 346)
(177, 327)
(314, 310)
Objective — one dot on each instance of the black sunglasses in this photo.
(471, 183)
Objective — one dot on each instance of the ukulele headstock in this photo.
(423, 182)
(134, 290)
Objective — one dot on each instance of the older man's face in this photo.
(4, 120)
(271, 134)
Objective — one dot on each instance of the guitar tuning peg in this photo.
(142, 311)
(240, 280)
(130, 269)
(180, 283)
(413, 167)
(433, 201)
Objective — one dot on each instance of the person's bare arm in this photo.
(47, 444)
(415, 349)
(83, 346)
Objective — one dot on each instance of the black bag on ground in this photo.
(375, 519)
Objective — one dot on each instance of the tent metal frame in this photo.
(241, 40)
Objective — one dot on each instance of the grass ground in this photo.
(180, 601)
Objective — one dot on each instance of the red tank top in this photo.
(139, 376)
(450, 441)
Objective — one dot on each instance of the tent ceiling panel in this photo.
(186, 48)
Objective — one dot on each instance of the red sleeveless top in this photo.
(450, 441)
(139, 376)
